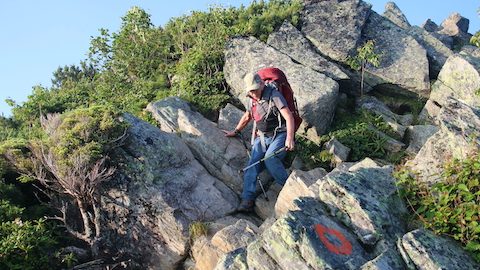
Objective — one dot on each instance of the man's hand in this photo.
(289, 144)
(230, 133)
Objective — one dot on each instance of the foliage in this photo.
(356, 132)
(451, 206)
(312, 154)
(365, 56)
(475, 39)
(197, 229)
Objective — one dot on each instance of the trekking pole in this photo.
(265, 158)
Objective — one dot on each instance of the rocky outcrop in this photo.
(456, 26)
(429, 252)
(159, 190)
(403, 63)
(460, 79)
(316, 93)
(367, 204)
(456, 138)
(291, 41)
(394, 14)
(437, 51)
(334, 27)
(228, 119)
(223, 157)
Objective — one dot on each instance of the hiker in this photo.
(274, 129)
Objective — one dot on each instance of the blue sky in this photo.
(39, 36)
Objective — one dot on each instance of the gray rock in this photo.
(228, 119)
(437, 51)
(306, 239)
(458, 124)
(334, 27)
(258, 259)
(159, 189)
(390, 259)
(460, 79)
(235, 236)
(429, 252)
(368, 203)
(429, 112)
(205, 255)
(470, 50)
(316, 94)
(265, 208)
(395, 121)
(430, 26)
(403, 61)
(417, 136)
(235, 260)
(297, 185)
(223, 157)
(455, 24)
(291, 41)
(338, 150)
(394, 14)
(391, 145)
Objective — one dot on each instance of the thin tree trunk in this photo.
(361, 81)
(86, 225)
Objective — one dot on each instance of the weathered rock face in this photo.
(221, 156)
(394, 14)
(298, 185)
(338, 150)
(460, 79)
(417, 136)
(430, 26)
(437, 51)
(404, 62)
(456, 26)
(158, 191)
(458, 122)
(291, 41)
(429, 112)
(367, 203)
(235, 236)
(316, 94)
(428, 252)
(334, 27)
(228, 120)
(470, 50)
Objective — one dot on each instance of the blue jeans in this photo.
(274, 164)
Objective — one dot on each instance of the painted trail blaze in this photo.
(345, 247)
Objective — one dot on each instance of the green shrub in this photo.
(312, 154)
(451, 206)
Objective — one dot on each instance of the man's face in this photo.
(256, 94)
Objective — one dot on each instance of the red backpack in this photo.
(276, 76)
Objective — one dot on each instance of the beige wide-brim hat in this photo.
(252, 82)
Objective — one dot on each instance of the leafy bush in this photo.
(312, 154)
(451, 206)
(355, 131)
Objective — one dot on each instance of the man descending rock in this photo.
(275, 130)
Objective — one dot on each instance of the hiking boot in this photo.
(246, 206)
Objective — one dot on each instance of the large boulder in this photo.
(291, 41)
(158, 191)
(460, 79)
(228, 119)
(394, 14)
(235, 236)
(368, 203)
(429, 252)
(308, 238)
(437, 51)
(316, 93)
(335, 27)
(403, 62)
(459, 126)
(223, 157)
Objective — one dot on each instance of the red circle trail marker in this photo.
(345, 247)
